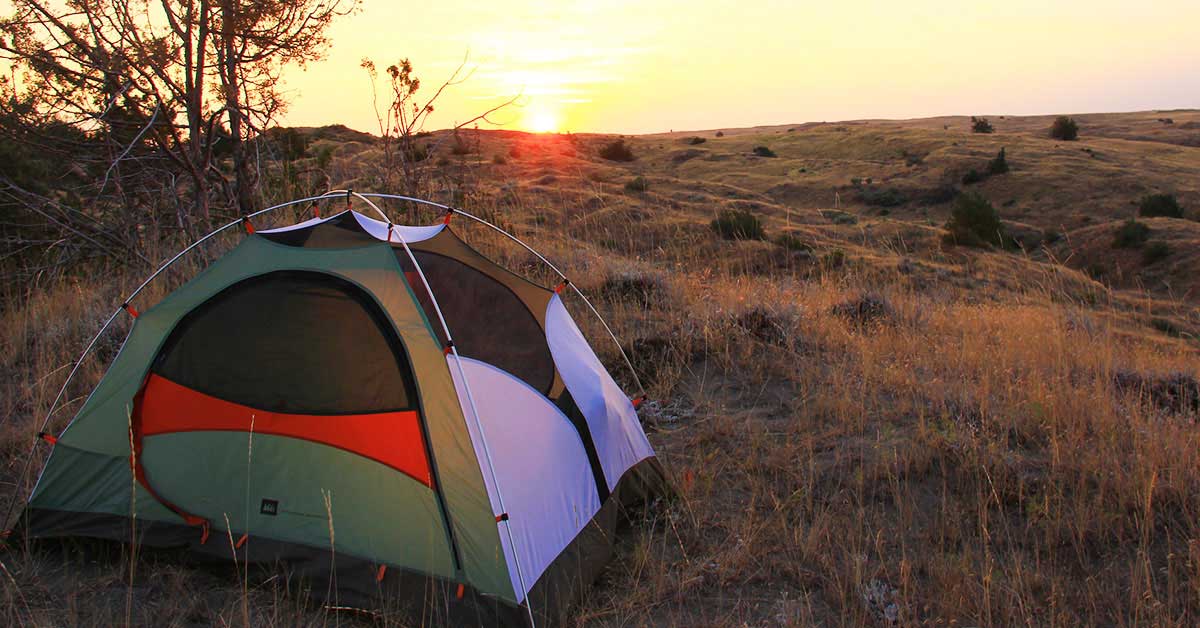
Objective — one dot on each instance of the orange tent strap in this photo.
(379, 574)
(459, 593)
(240, 542)
(129, 308)
(203, 533)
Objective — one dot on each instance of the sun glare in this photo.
(541, 121)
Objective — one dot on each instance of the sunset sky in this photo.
(656, 65)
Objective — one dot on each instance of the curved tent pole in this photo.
(632, 371)
(351, 193)
(474, 410)
(91, 345)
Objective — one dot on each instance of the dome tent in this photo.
(375, 405)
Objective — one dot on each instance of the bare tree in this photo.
(257, 39)
(402, 124)
(163, 75)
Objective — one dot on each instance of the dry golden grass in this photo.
(879, 431)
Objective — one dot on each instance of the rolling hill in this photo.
(867, 424)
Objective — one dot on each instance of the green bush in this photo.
(939, 195)
(833, 259)
(1155, 252)
(973, 176)
(981, 125)
(886, 197)
(839, 217)
(1160, 205)
(694, 140)
(1166, 326)
(738, 225)
(998, 164)
(1132, 234)
(1064, 128)
(637, 184)
(763, 151)
(461, 146)
(974, 222)
(792, 242)
(415, 152)
(324, 157)
(292, 144)
(617, 150)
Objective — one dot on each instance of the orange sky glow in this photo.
(641, 67)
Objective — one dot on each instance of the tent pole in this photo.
(91, 345)
(636, 380)
(474, 410)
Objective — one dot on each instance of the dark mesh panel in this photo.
(291, 341)
(342, 232)
(487, 320)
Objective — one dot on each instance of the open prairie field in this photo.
(867, 424)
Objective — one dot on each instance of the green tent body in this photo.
(303, 397)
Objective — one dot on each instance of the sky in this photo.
(657, 65)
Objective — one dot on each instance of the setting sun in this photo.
(541, 121)
(585, 66)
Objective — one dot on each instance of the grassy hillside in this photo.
(867, 425)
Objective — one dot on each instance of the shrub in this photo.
(639, 288)
(499, 160)
(1132, 234)
(461, 146)
(1155, 252)
(617, 150)
(972, 176)
(413, 152)
(761, 324)
(974, 222)
(738, 225)
(637, 184)
(514, 152)
(834, 259)
(1065, 129)
(998, 164)
(866, 309)
(292, 143)
(1175, 392)
(1160, 205)
(939, 195)
(792, 242)
(692, 141)
(838, 217)
(981, 125)
(886, 197)
(763, 151)
(1166, 326)
(720, 134)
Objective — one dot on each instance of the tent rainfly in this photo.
(305, 398)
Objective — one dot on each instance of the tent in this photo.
(379, 408)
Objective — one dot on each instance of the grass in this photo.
(977, 456)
